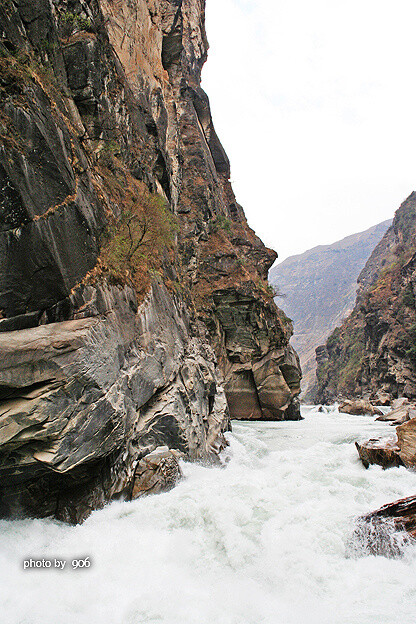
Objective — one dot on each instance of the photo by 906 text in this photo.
(57, 564)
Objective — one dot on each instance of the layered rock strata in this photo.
(372, 354)
(132, 290)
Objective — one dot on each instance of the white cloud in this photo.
(315, 105)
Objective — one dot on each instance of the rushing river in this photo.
(260, 542)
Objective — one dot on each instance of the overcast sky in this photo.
(315, 104)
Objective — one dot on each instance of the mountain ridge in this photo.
(319, 288)
(372, 354)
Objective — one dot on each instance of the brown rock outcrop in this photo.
(159, 471)
(399, 450)
(406, 438)
(402, 411)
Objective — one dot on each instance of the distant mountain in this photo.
(320, 288)
(373, 353)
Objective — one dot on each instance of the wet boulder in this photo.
(402, 411)
(157, 472)
(399, 416)
(386, 531)
(360, 407)
(399, 450)
(384, 452)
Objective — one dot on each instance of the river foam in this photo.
(262, 541)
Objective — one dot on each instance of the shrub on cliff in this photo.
(138, 236)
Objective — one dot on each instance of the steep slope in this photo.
(373, 352)
(132, 290)
(319, 288)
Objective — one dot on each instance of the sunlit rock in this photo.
(361, 407)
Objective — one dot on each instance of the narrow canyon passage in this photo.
(262, 541)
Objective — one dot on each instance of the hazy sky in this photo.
(315, 104)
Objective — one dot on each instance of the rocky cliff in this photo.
(319, 288)
(135, 307)
(373, 353)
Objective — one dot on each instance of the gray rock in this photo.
(100, 393)
(97, 368)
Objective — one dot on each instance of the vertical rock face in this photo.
(373, 353)
(132, 290)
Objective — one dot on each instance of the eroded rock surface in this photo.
(111, 347)
(384, 452)
(159, 471)
(402, 411)
(107, 390)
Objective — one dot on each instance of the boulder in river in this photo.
(391, 451)
(385, 531)
(360, 407)
(406, 437)
(157, 472)
(381, 451)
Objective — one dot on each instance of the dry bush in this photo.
(138, 237)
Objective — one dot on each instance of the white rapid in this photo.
(259, 542)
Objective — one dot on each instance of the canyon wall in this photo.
(373, 353)
(135, 310)
(318, 289)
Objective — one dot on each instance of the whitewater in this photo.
(261, 541)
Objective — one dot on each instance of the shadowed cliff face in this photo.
(132, 290)
(373, 352)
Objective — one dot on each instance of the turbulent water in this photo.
(262, 541)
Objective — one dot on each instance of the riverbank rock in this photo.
(83, 400)
(402, 411)
(360, 407)
(386, 531)
(399, 450)
(159, 471)
(406, 437)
